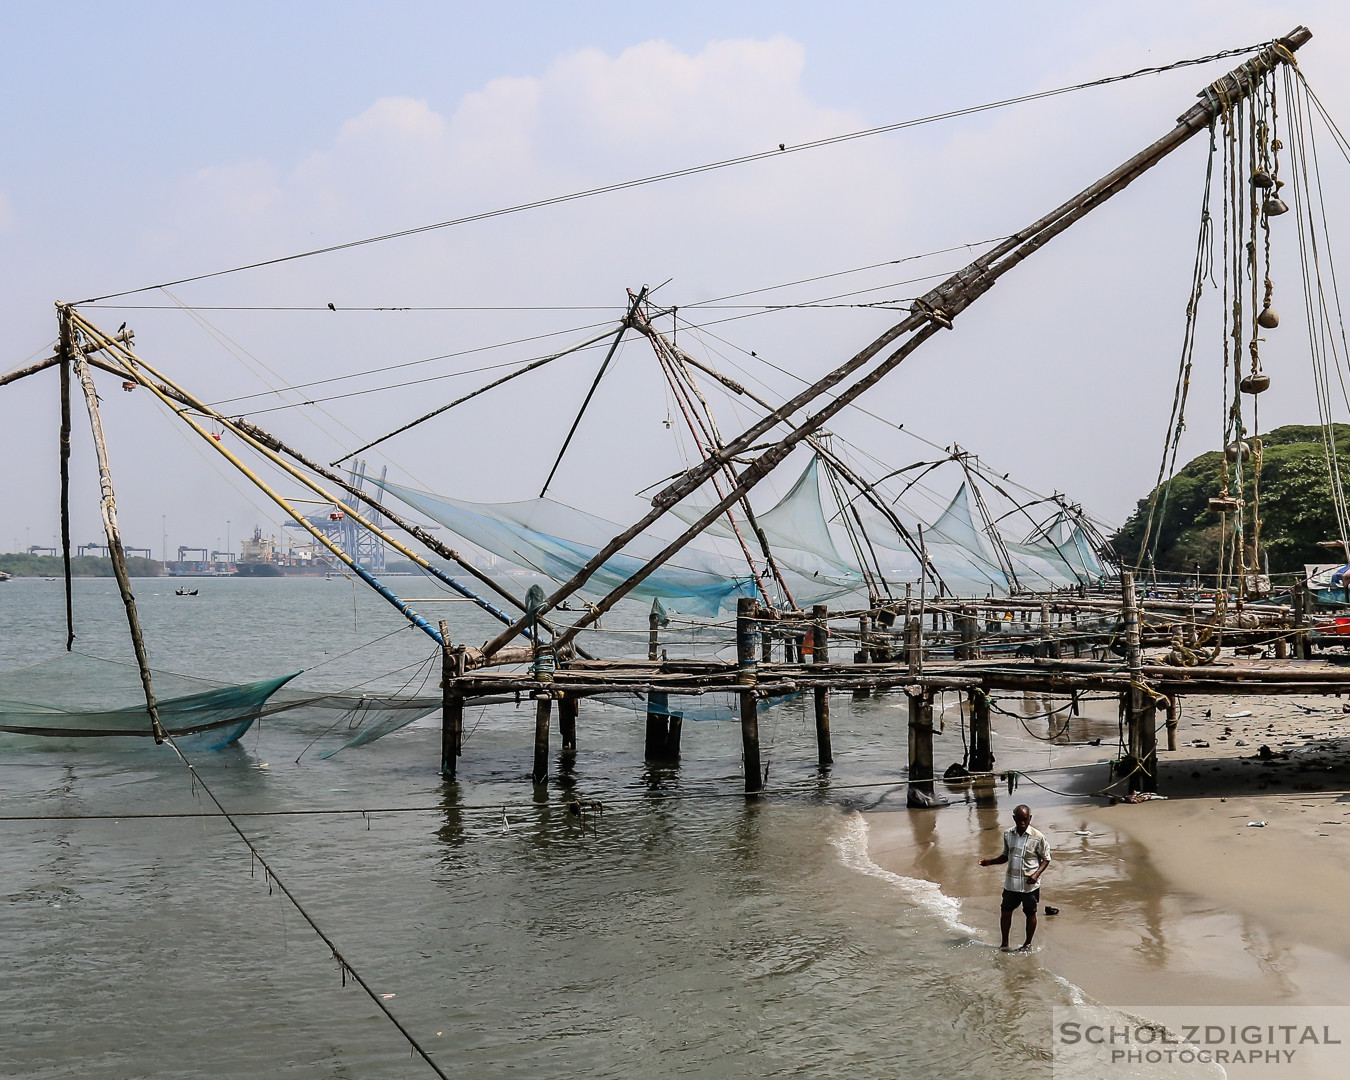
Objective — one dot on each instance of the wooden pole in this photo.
(658, 725)
(108, 506)
(861, 655)
(543, 707)
(746, 609)
(1139, 706)
(820, 651)
(914, 645)
(970, 632)
(568, 707)
(1302, 644)
(673, 738)
(981, 732)
(920, 747)
(452, 705)
(67, 351)
(658, 704)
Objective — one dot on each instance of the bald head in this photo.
(1022, 817)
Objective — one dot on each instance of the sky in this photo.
(144, 143)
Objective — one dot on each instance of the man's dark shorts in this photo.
(1028, 900)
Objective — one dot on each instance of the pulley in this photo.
(1223, 504)
(1262, 179)
(1274, 206)
(1255, 383)
(1269, 318)
(1232, 450)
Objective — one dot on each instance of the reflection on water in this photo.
(677, 928)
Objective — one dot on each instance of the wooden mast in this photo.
(108, 507)
(932, 312)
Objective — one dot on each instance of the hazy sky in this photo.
(147, 142)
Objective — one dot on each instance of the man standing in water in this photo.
(1027, 855)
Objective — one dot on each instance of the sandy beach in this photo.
(1177, 900)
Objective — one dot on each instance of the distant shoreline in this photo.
(45, 566)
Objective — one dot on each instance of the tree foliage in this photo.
(1295, 504)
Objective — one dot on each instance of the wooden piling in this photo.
(543, 707)
(920, 791)
(914, 646)
(820, 633)
(452, 705)
(658, 722)
(67, 351)
(746, 610)
(567, 723)
(1137, 701)
(1302, 645)
(969, 624)
(658, 725)
(673, 732)
(981, 732)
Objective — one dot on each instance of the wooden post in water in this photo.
(862, 656)
(981, 742)
(543, 707)
(452, 705)
(67, 351)
(658, 704)
(567, 723)
(1139, 707)
(820, 633)
(1171, 721)
(920, 791)
(746, 610)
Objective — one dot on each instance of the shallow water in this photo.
(679, 930)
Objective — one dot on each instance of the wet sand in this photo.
(1174, 901)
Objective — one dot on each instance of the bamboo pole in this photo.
(108, 508)
(67, 351)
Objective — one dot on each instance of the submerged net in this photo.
(78, 696)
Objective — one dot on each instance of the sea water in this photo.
(676, 929)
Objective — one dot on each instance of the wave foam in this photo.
(852, 845)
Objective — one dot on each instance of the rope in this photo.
(343, 965)
(678, 173)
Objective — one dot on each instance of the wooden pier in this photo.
(1066, 646)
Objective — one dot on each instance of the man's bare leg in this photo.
(1031, 932)
(1005, 924)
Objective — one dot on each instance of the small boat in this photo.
(3, 576)
(180, 591)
